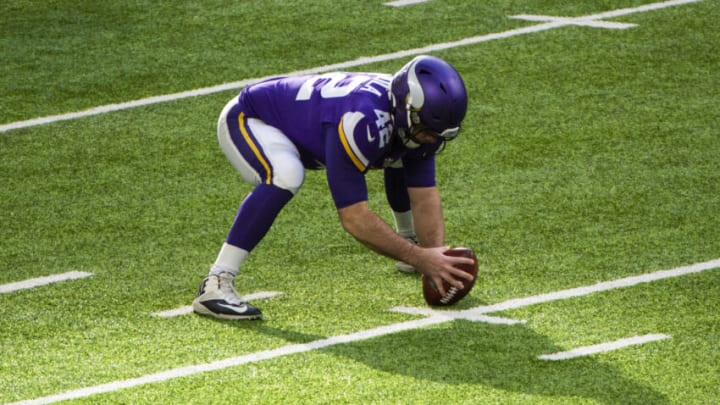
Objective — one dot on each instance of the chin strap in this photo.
(408, 138)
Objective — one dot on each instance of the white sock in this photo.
(229, 260)
(404, 223)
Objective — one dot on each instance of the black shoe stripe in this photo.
(225, 308)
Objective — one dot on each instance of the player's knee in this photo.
(289, 178)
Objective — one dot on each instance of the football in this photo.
(452, 294)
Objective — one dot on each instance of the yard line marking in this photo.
(477, 314)
(40, 281)
(604, 286)
(603, 347)
(402, 3)
(232, 361)
(642, 9)
(555, 23)
(185, 310)
(584, 22)
(434, 318)
(452, 315)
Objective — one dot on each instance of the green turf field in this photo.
(590, 155)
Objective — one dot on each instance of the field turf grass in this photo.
(589, 154)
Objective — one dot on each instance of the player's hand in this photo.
(433, 263)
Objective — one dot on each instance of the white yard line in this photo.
(588, 20)
(575, 21)
(433, 317)
(40, 281)
(403, 3)
(232, 362)
(603, 347)
(477, 314)
(604, 286)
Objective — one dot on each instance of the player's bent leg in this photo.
(267, 159)
(260, 152)
(276, 162)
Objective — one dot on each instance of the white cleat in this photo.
(217, 298)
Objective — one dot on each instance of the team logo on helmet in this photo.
(428, 93)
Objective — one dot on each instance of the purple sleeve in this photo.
(350, 149)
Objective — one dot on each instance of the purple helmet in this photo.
(428, 91)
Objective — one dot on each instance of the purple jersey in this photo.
(340, 121)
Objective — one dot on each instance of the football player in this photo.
(346, 123)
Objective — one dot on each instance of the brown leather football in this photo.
(452, 294)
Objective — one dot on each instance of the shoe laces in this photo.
(226, 283)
